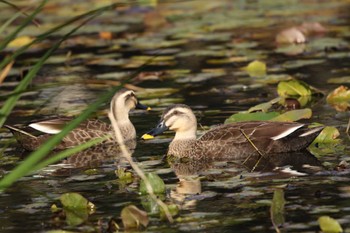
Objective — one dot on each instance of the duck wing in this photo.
(239, 139)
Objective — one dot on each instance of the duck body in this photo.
(122, 102)
(236, 140)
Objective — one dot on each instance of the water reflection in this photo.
(190, 173)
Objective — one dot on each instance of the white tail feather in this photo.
(286, 133)
(44, 128)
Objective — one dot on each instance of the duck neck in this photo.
(121, 115)
(189, 134)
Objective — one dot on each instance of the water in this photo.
(193, 40)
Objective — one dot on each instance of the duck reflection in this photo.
(191, 172)
(95, 157)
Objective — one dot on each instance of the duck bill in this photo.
(161, 127)
(141, 106)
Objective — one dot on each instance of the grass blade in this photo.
(11, 101)
(27, 21)
(31, 162)
(44, 35)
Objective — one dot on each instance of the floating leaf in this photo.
(264, 107)
(329, 225)
(132, 217)
(339, 98)
(294, 115)
(256, 69)
(293, 88)
(328, 135)
(340, 80)
(20, 41)
(106, 35)
(277, 208)
(254, 116)
(76, 208)
(291, 49)
(293, 64)
(155, 181)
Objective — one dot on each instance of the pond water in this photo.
(188, 52)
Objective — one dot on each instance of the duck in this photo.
(35, 134)
(230, 141)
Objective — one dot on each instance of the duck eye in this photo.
(176, 112)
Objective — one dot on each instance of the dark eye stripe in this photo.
(176, 112)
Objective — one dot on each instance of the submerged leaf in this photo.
(133, 217)
(173, 209)
(339, 98)
(277, 208)
(155, 181)
(293, 88)
(329, 225)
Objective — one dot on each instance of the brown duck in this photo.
(122, 102)
(231, 140)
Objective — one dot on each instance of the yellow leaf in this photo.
(256, 68)
(20, 41)
(329, 225)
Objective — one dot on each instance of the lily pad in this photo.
(328, 135)
(339, 99)
(329, 225)
(256, 68)
(264, 107)
(132, 217)
(254, 116)
(293, 88)
(76, 208)
(339, 80)
(294, 115)
(156, 183)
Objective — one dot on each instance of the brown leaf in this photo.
(106, 35)
(133, 217)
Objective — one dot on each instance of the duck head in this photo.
(179, 118)
(124, 101)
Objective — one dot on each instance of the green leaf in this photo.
(156, 183)
(132, 217)
(339, 98)
(76, 208)
(277, 208)
(293, 88)
(254, 116)
(328, 135)
(173, 209)
(294, 115)
(256, 68)
(264, 107)
(329, 225)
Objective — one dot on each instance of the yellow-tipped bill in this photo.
(149, 109)
(147, 136)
